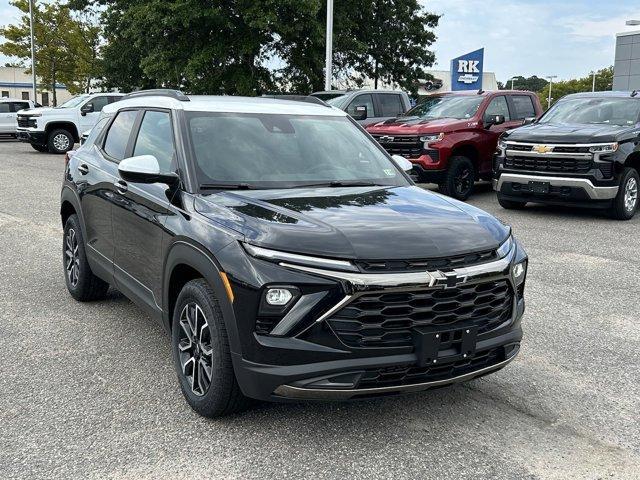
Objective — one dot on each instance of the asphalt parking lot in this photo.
(89, 391)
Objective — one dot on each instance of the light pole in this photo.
(329, 57)
(33, 53)
(593, 87)
(512, 80)
(550, 77)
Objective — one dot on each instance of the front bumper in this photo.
(573, 188)
(318, 362)
(28, 136)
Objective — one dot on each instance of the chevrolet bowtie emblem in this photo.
(450, 280)
(542, 149)
(386, 138)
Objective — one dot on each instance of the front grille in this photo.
(26, 122)
(411, 374)
(407, 146)
(387, 319)
(430, 264)
(542, 164)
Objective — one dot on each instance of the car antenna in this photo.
(480, 92)
(634, 93)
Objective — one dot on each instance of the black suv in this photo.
(288, 256)
(584, 151)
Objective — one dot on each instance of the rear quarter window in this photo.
(523, 107)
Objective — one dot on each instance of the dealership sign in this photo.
(466, 71)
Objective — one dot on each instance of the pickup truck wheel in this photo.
(459, 179)
(82, 284)
(510, 204)
(40, 148)
(626, 202)
(60, 141)
(201, 353)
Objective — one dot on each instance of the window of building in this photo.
(45, 99)
(25, 95)
(5, 94)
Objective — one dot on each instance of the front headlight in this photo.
(431, 138)
(520, 272)
(505, 248)
(604, 148)
(502, 145)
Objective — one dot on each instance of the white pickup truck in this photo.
(56, 129)
(8, 114)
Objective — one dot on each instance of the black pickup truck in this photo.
(584, 151)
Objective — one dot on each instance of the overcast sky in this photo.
(567, 38)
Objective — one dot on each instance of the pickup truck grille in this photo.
(548, 164)
(26, 122)
(406, 146)
(387, 319)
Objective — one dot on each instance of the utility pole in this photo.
(550, 77)
(33, 53)
(593, 88)
(329, 57)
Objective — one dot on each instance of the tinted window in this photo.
(156, 138)
(498, 106)
(524, 106)
(25, 95)
(390, 105)
(359, 101)
(99, 103)
(115, 144)
(611, 110)
(95, 131)
(19, 106)
(4, 108)
(447, 106)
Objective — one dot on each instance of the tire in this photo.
(510, 204)
(60, 141)
(199, 339)
(82, 284)
(625, 204)
(40, 148)
(459, 180)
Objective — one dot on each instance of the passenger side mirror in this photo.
(403, 163)
(360, 112)
(145, 169)
(493, 120)
(529, 120)
(86, 108)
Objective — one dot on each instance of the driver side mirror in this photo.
(86, 108)
(360, 112)
(404, 164)
(145, 169)
(493, 120)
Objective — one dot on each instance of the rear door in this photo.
(140, 211)
(388, 105)
(7, 118)
(522, 107)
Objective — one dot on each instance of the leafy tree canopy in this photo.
(604, 81)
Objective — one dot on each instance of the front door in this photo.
(497, 106)
(140, 212)
(88, 120)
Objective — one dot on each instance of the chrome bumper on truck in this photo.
(594, 192)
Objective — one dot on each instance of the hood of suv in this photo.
(356, 223)
(567, 133)
(38, 110)
(407, 125)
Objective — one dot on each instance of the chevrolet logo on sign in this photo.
(542, 149)
(386, 139)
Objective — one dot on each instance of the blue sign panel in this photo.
(466, 71)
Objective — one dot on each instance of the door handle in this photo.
(83, 168)
(121, 186)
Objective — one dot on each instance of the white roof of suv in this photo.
(230, 104)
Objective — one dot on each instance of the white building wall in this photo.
(16, 83)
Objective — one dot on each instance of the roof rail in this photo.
(158, 92)
(298, 98)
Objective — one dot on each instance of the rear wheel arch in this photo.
(70, 204)
(185, 262)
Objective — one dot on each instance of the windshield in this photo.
(447, 106)
(73, 102)
(285, 151)
(607, 111)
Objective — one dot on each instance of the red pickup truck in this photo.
(451, 138)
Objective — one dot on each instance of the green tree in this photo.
(531, 84)
(604, 81)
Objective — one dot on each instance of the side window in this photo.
(365, 99)
(4, 108)
(156, 138)
(99, 103)
(115, 145)
(390, 104)
(498, 106)
(95, 131)
(114, 99)
(524, 107)
(17, 106)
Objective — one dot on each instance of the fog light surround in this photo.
(278, 297)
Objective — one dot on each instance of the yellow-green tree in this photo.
(604, 81)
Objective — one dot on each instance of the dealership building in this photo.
(626, 73)
(16, 83)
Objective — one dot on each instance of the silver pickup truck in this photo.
(381, 104)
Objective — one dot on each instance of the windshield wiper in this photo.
(344, 183)
(226, 186)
